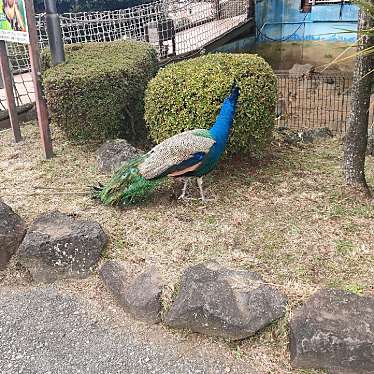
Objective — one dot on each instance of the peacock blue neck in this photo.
(221, 129)
(220, 133)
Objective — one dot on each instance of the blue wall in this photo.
(282, 20)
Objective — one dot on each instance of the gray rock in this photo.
(287, 135)
(141, 297)
(114, 153)
(12, 231)
(58, 246)
(291, 136)
(313, 135)
(299, 71)
(219, 302)
(114, 278)
(334, 330)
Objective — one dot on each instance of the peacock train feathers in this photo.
(192, 153)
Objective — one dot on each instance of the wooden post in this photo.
(8, 85)
(217, 10)
(41, 105)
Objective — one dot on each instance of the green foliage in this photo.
(355, 288)
(366, 5)
(99, 92)
(189, 94)
(344, 247)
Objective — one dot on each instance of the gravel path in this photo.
(44, 331)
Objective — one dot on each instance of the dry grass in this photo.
(286, 217)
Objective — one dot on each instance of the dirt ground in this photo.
(285, 216)
(282, 56)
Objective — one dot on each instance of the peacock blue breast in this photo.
(210, 161)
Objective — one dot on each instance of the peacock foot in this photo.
(203, 200)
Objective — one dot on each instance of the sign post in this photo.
(8, 86)
(17, 24)
(41, 105)
(13, 28)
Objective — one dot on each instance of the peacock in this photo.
(192, 153)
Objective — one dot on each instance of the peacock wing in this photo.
(180, 152)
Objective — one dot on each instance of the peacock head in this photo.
(235, 91)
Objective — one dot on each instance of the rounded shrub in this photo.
(189, 94)
(99, 92)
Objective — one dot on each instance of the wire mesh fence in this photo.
(22, 81)
(163, 23)
(316, 100)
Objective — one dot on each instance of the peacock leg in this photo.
(200, 184)
(184, 189)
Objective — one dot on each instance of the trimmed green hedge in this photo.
(189, 94)
(99, 92)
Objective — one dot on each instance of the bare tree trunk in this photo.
(357, 134)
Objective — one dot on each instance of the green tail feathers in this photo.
(126, 186)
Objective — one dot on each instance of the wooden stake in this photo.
(8, 85)
(41, 105)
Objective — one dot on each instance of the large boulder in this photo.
(140, 297)
(220, 302)
(334, 330)
(143, 296)
(114, 153)
(12, 231)
(58, 246)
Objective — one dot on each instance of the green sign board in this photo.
(13, 22)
